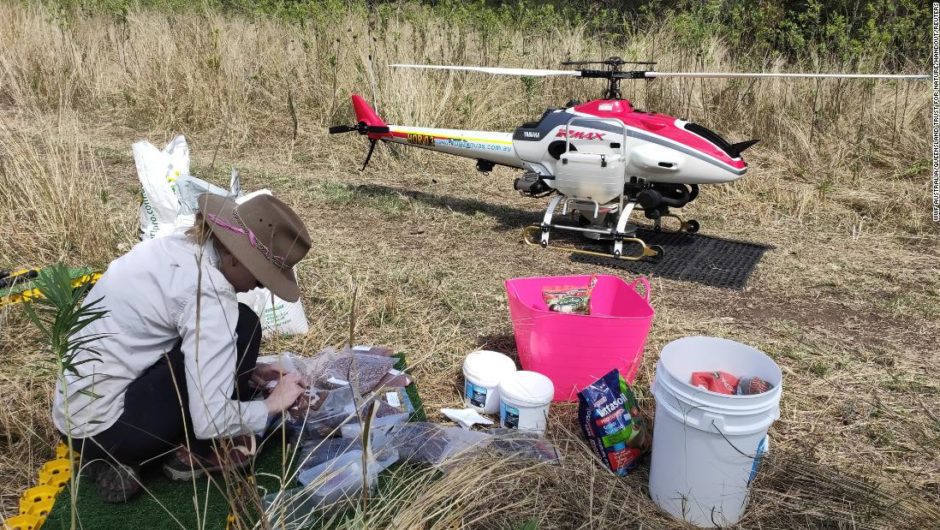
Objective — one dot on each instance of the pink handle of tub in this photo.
(646, 285)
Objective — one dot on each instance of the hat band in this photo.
(280, 261)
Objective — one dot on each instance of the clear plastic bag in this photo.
(331, 483)
(337, 408)
(513, 443)
(337, 414)
(342, 477)
(419, 442)
(319, 451)
(330, 368)
(430, 443)
(291, 509)
(365, 369)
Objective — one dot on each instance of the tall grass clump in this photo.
(55, 204)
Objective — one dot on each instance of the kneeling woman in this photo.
(172, 371)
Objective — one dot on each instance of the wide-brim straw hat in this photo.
(263, 234)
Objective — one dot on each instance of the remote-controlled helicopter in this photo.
(602, 159)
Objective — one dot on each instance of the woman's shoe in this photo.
(116, 482)
(236, 453)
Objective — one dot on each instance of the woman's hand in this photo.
(264, 374)
(285, 393)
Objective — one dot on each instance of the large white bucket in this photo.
(707, 446)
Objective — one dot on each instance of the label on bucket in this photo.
(475, 394)
(758, 455)
(509, 416)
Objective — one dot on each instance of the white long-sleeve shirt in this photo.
(150, 295)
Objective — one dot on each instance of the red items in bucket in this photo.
(748, 386)
(725, 383)
(721, 382)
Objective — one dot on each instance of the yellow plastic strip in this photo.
(31, 294)
(35, 495)
(23, 522)
(36, 503)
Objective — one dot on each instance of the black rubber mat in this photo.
(690, 257)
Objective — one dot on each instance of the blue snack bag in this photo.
(609, 419)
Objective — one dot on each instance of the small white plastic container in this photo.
(524, 399)
(483, 370)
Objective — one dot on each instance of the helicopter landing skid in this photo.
(540, 234)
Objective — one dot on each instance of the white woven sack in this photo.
(157, 171)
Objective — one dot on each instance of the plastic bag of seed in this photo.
(569, 299)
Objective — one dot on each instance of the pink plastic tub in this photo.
(576, 350)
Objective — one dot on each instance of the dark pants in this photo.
(156, 417)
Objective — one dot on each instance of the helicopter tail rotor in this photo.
(368, 124)
(361, 128)
(367, 121)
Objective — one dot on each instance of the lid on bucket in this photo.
(529, 388)
(488, 367)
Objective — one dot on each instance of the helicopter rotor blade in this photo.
(361, 128)
(575, 63)
(651, 75)
(337, 129)
(525, 72)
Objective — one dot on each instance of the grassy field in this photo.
(848, 302)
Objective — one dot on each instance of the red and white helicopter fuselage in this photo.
(604, 159)
(656, 147)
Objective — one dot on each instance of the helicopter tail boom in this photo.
(488, 148)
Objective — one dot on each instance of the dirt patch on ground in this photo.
(865, 326)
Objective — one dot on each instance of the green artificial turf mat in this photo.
(173, 504)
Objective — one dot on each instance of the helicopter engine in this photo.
(531, 184)
(656, 199)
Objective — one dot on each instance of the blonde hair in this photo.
(199, 233)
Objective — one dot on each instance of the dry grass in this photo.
(847, 303)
